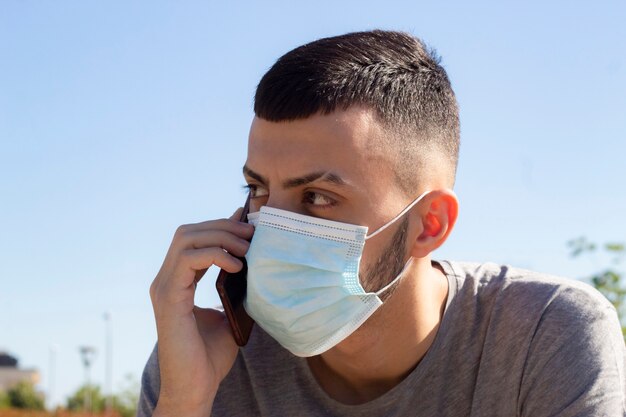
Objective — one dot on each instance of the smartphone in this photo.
(232, 290)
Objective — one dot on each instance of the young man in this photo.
(351, 162)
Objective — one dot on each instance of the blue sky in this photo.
(120, 121)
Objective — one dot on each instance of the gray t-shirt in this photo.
(511, 343)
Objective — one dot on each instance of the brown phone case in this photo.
(231, 289)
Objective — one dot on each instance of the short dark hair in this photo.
(393, 73)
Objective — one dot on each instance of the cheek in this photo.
(255, 204)
(371, 253)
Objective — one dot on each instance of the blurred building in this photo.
(11, 375)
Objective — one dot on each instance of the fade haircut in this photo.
(394, 74)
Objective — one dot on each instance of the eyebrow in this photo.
(324, 176)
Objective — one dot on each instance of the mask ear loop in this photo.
(396, 279)
(402, 213)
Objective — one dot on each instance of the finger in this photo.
(238, 228)
(209, 320)
(225, 240)
(209, 316)
(199, 259)
(199, 274)
(237, 214)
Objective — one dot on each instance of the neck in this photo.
(383, 351)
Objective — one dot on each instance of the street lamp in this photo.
(108, 362)
(88, 354)
(54, 348)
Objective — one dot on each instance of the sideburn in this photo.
(389, 264)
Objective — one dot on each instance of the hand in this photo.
(195, 346)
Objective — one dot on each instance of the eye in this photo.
(256, 190)
(318, 200)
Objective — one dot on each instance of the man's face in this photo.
(325, 166)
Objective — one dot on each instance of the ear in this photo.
(436, 219)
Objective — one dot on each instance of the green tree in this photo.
(125, 403)
(609, 280)
(88, 397)
(23, 395)
(4, 400)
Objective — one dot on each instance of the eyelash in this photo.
(250, 189)
(307, 198)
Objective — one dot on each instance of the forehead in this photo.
(346, 141)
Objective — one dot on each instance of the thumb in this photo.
(237, 214)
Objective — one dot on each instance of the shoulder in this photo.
(524, 288)
(529, 308)
(559, 339)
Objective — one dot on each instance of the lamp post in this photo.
(108, 362)
(88, 354)
(52, 373)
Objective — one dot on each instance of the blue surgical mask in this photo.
(303, 279)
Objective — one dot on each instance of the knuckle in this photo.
(227, 223)
(185, 257)
(182, 230)
(153, 291)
